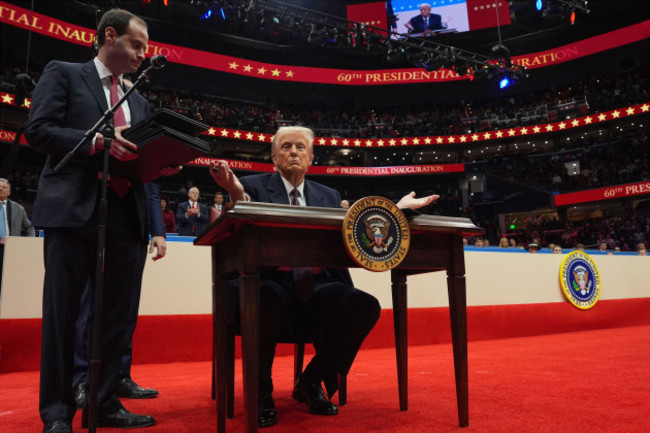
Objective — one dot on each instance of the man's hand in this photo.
(409, 201)
(225, 178)
(160, 245)
(121, 148)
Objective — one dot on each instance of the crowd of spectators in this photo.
(613, 160)
(587, 95)
(590, 94)
(626, 231)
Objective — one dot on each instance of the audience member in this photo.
(13, 220)
(168, 215)
(192, 216)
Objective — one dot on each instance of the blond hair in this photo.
(308, 133)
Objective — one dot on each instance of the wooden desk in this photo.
(255, 235)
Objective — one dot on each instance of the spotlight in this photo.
(396, 55)
(504, 82)
(206, 15)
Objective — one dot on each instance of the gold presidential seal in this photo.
(580, 279)
(376, 234)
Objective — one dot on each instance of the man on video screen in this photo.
(426, 22)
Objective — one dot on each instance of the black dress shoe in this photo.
(80, 394)
(129, 389)
(266, 415)
(58, 426)
(121, 418)
(313, 395)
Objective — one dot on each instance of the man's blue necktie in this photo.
(3, 221)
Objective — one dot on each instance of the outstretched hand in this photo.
(225, 178)
(409, 201)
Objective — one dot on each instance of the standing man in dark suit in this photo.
(13, 220)
(67, 101)
(192, 216)
(426, 22)
(341, 315)
(128, 388)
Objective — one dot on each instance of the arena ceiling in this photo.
(179, 23)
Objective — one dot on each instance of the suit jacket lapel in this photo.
(312, 197)
(277, 191)
(91, 78)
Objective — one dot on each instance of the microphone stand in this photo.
(105, 126)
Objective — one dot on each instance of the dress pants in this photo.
(70, 256)
(82, 341)
(337, 316)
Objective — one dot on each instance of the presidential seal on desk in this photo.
(376, 234)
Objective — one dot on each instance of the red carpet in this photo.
(593, 381)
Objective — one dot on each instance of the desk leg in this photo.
(398, 288)
(249, 298)
(458, 315)
(220, 330)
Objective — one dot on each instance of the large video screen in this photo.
(446, 16)
(452, 14)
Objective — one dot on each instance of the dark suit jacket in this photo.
(62, 112)
(156, 224)
(269, 188)
(185, 224)
(435, 23)
(19, 224)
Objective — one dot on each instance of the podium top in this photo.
(324, 218)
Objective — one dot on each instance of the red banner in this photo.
(10, 136)
(23, 18)
(527, 131)
(342, 171)
(619, 191)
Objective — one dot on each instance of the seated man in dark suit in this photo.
(192, 216)
(426, 22)
(340, 315)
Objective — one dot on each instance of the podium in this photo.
(254, 235)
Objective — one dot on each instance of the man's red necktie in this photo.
(119, 184)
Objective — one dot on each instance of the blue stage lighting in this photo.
(539, 5)
(504, 82)
(207, 15)
(223, 14)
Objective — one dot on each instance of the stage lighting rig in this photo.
(327, 30)
(564, 8)
(581, 5)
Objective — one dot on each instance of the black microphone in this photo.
(158, 61)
